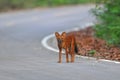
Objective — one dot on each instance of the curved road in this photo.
(22, 57)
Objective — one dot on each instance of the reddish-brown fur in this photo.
(68, 43)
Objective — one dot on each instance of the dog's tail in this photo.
(76, 49)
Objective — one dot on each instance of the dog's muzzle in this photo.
(59, 41)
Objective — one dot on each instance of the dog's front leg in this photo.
(60, 56)
(67, 56)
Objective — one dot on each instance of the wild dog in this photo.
(68, 43)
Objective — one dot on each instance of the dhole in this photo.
(68, 43)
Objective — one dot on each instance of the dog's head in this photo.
(60, 38)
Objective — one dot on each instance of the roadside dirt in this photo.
(88, 45)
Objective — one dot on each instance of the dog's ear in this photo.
(57, 34)
(64, 34)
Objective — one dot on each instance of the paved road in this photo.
(22, 57)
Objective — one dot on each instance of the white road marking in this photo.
(45, 44)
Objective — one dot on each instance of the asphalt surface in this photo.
(23, 57)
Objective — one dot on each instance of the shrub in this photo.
(108, 15)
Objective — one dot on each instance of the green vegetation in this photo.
(18, 4)
(92, 52)
(108, 15)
